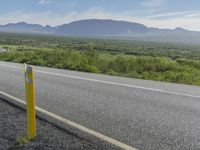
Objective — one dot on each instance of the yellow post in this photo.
(30, 102)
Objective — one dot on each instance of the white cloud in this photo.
(188, 19)
(44, 2)
(171, 14)
(153, 3)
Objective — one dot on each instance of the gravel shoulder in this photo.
(49, 137)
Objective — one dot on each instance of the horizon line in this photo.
(120, 20)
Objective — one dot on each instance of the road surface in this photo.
(13, 126)
(147, 115)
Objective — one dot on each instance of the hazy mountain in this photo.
(21, 27)
(96, 27)
(108, 28)
(48, 28)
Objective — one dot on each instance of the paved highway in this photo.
(147, 115)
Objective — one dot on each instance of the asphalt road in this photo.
(147, 115)
(49, 137)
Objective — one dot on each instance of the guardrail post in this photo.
(30, 102)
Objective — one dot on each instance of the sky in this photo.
(152, 13)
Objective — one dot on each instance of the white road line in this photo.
(107, 82)
(98, 135)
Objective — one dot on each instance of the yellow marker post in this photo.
(30, 102)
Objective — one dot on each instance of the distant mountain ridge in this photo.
(106, 28)
(90, 27)
(96, 27)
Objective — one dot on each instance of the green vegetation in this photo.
(154, 61)
(22, 140)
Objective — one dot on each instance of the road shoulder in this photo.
(13, 123)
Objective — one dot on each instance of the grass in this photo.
(22, 140)
(142, 67)
(177, 63)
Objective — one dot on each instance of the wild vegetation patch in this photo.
(152, 61)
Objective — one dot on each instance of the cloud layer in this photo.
(44, 2)
(153, 3)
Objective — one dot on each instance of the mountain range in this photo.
(109, 29)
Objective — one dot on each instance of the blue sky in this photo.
(153, 13)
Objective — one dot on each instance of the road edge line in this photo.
(44, 114)
(108, 82)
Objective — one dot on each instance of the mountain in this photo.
(178, 29)
(109, 29)
(96, 27)
(21, 27)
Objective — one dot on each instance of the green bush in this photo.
(143, 67)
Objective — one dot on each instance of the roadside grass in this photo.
(22, 140)
(142, 67)
(21, 47)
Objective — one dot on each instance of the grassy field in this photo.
(143, 60)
